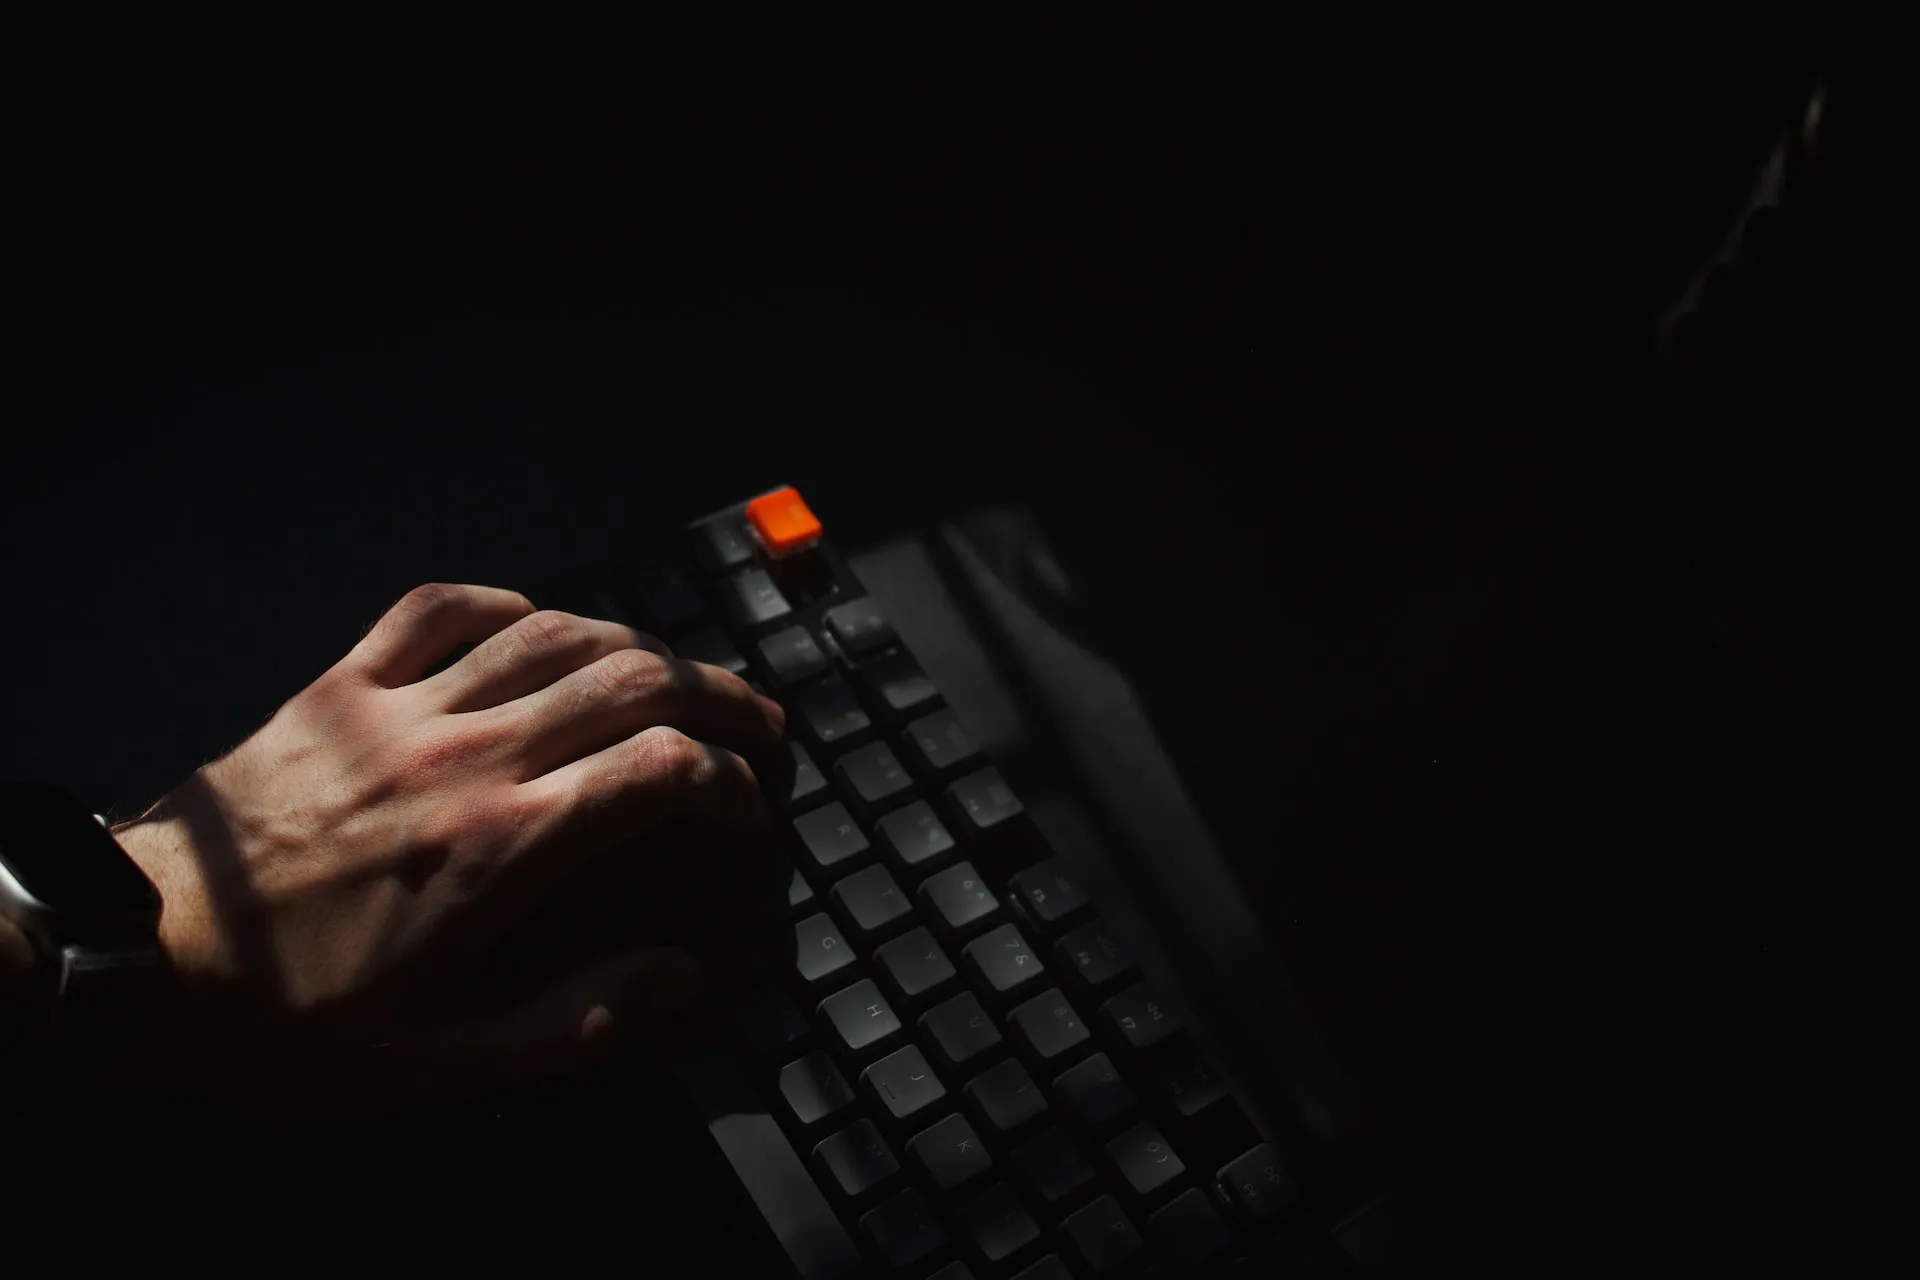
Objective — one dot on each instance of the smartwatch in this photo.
(91, 914)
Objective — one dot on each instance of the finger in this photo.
(576, 1023)
(630, 691)
(530, 655)
(633, 786)
(427, 624)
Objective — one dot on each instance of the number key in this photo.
(1093, 956)
(982, 803)
(872, 776)
(1049, 894)
(1003, 960)
(859, 626)
(941, 743)
(1049, 1028)
(1260, 1184)
(959, 897)
(792, 656)
(913, 837)
(897, 680)
(1139, 1017)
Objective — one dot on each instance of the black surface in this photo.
(1363, 341)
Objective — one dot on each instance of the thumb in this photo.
(575, 1023)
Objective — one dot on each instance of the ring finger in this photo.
(529, 656)
(627, 692)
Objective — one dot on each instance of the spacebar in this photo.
(766, 1164)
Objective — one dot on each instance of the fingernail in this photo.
(776, 714)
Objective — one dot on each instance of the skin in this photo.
(331, 879)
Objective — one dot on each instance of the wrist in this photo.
(161, 845)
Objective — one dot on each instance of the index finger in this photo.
(427, 624)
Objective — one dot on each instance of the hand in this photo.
(331, 877)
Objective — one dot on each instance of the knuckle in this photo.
(626, 674)
(429, 598)
(676, 759)
(549, 629)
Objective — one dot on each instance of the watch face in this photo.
(56, 852)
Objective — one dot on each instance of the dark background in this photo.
(1329, 379)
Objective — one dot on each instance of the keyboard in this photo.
(962, 1074)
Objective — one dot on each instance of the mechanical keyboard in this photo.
(963, 1074)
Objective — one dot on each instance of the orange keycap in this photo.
(783, 522)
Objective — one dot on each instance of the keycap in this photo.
(903, 1083)
(721, 542)
(856, 1160)
(772, 1026)
(859, 626)
(952, 1271)
(820, 953)
(1048, 1268)
(1093, 957)
(996, 1224)
(960, 1030)
(1260, 1184)
(814, 1088)
(898, 682)
(1051, 1167)
(1187, 1082)
(1102, 1237)
(950, 1153)
(669, 602)
(903, 1230)
(1005, 1099)
(806, 782)
(1049, 895)
(799, 893)
(752, 600)
(784, 1193)
(872, 776)
(981, 802)
(959, 898)
(792, 655)
(872, 901)
(783, 522)
(941, 743)
(860, 1017)
(1144, 1159)
(830, 839)
(711, 646)
(913, 838)
(1002, 960)
(1189, 1231)
(831, 713)
(1092, 1095)
(1139, 1017)
(913, 966)
(1048, 1028)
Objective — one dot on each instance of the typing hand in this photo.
(336, 873)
